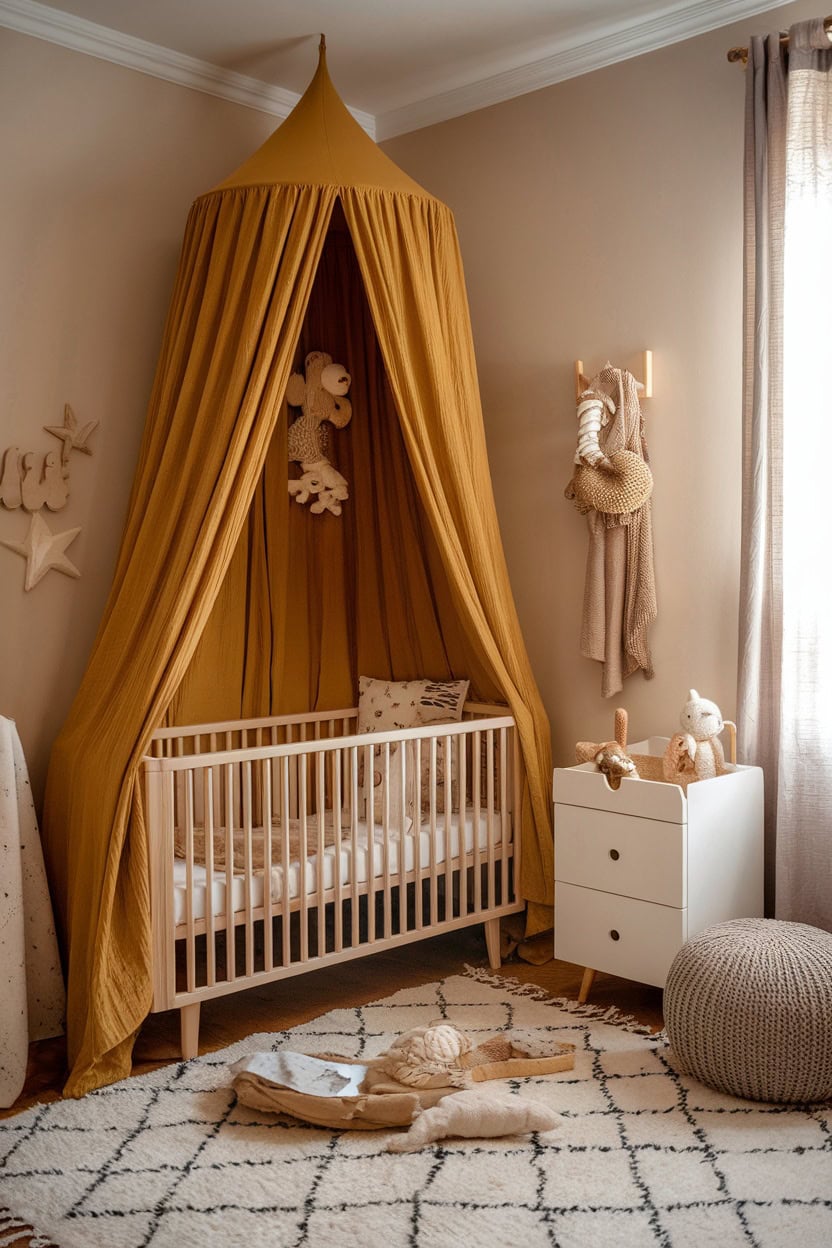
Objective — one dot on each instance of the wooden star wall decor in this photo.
(74, 437)
(33, 482)
(42, 549)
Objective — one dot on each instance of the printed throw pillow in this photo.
(387, 705)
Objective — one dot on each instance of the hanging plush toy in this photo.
(696, 752)
(321, 396)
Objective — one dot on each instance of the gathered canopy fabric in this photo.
(226, 599)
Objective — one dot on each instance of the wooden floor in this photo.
(294, 1001)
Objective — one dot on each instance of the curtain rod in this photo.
(741, 54)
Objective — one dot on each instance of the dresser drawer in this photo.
(634, 857)
(649, 799)
(633, 939)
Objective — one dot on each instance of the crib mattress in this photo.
(416, 846)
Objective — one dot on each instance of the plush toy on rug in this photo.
(422, 1069)
(696, 753)
(321, 397)
(440, 1055)
(473, 1116)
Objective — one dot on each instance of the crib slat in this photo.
(337, 770)
(434, 916)
(476, 800)
(449, 854)
(320, 802)
(345, 767)
(354, 809)
(247, 826)
(230, 930)
(293, 775)
(402, 867)
(190, 938)
(369, 791)
(503, 761)
(303, 854)
(208, 821)
(489, 783)
(266, 806)
(385, 839)
(461, 816)
(516, 811)
(417, 833)
(285, 858)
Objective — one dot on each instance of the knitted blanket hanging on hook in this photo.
(611, 485)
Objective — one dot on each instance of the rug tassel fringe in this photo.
(602, 1013)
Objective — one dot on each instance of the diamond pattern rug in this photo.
(643, 1156)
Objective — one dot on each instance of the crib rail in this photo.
(283, 844)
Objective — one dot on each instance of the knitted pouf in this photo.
(748, 1009)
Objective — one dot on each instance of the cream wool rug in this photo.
(643, 1156)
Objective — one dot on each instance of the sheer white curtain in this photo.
(785, 695)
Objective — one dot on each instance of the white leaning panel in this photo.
(725, 848)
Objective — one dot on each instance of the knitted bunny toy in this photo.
(695, 753)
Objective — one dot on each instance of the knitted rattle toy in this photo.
(441, 1055)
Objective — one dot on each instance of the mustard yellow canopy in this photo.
(214, 560)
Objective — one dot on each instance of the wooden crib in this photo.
(272, 854)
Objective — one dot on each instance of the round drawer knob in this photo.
(614, 854)
(614, 935)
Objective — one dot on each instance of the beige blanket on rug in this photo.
(620, 589)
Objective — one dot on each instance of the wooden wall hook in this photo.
(645, 387)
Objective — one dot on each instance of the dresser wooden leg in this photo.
(189, 1029)
(586, 984)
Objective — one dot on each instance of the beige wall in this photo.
(598, 217)
(100, 165)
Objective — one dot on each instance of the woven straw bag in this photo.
(619, 484)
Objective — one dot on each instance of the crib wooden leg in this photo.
(492, 943)
(189, 1029)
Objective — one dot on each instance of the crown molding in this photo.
(616, 42)
(55, 26)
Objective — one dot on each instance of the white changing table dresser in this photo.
(641, 868)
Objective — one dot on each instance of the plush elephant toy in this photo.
(321, 396)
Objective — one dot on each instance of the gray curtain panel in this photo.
(783, 724)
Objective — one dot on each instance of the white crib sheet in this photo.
(422, 833)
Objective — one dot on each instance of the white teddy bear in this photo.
(696, 753)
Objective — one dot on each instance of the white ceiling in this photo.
(399, 64)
